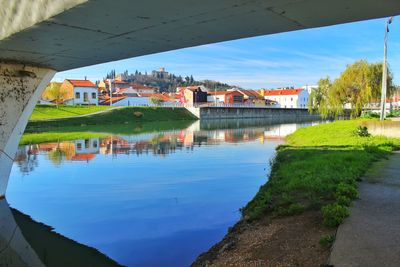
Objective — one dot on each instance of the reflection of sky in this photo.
(145, 210)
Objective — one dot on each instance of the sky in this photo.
(295, 58)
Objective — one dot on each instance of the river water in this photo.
(149, 199)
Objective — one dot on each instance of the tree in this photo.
(319, 97)
(155, 100)
(376, 81)
(187, 79)
(356, 86)
(55, 93)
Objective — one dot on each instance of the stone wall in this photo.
(253, 112)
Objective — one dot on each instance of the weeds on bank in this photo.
(318, 169)
(327, 240)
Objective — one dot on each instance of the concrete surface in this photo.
(386, 128)
(20, 89)
(67, 34)
(371, 235)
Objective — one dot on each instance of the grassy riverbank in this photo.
(128, 116)
(318, 168)
(48, 112)
(293, 218)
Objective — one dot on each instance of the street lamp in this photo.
(384, 72)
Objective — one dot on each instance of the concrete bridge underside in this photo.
(40, 37)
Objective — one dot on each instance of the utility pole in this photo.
(384, 71)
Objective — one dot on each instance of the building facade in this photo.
(80, 92)
(225, 97)
(287, 98)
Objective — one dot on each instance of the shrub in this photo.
(334, 214)
(362, 131)
(393, 113)
(138, 114)
(327, 240)
(369, 115)
(343, 200)
(347, 190)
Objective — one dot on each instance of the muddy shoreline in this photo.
(285, 241)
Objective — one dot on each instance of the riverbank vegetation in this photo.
(318, 169)
(357, 86)
(128, 115)
(48, 112)
(292, 219)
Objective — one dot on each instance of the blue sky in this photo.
(286, 59)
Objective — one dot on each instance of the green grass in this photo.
(65, 133)
(127, 116)
(317, 167)
(48, 112)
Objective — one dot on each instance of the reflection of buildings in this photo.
(86, 149)
(280, 131)
(159, 144)
(25, 159)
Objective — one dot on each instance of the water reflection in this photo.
(158, 144)
(151, 199)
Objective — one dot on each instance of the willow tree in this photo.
(54, 92)
(319, 98)
(359, 84)
(376, 82)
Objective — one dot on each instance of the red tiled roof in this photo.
(81, 83)
(282, 92)
(84, 157)
(250, 93)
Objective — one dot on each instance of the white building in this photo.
(80, 92)
(287, 98)
(309, 88)
(84, 146)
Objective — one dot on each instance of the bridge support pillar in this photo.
(20, 88)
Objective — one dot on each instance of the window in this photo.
(291, 99)
(78, 146)
(85, 97)
(237, 98)
(94, 95)
(86, 143)
(95, 144)
(77, 95)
